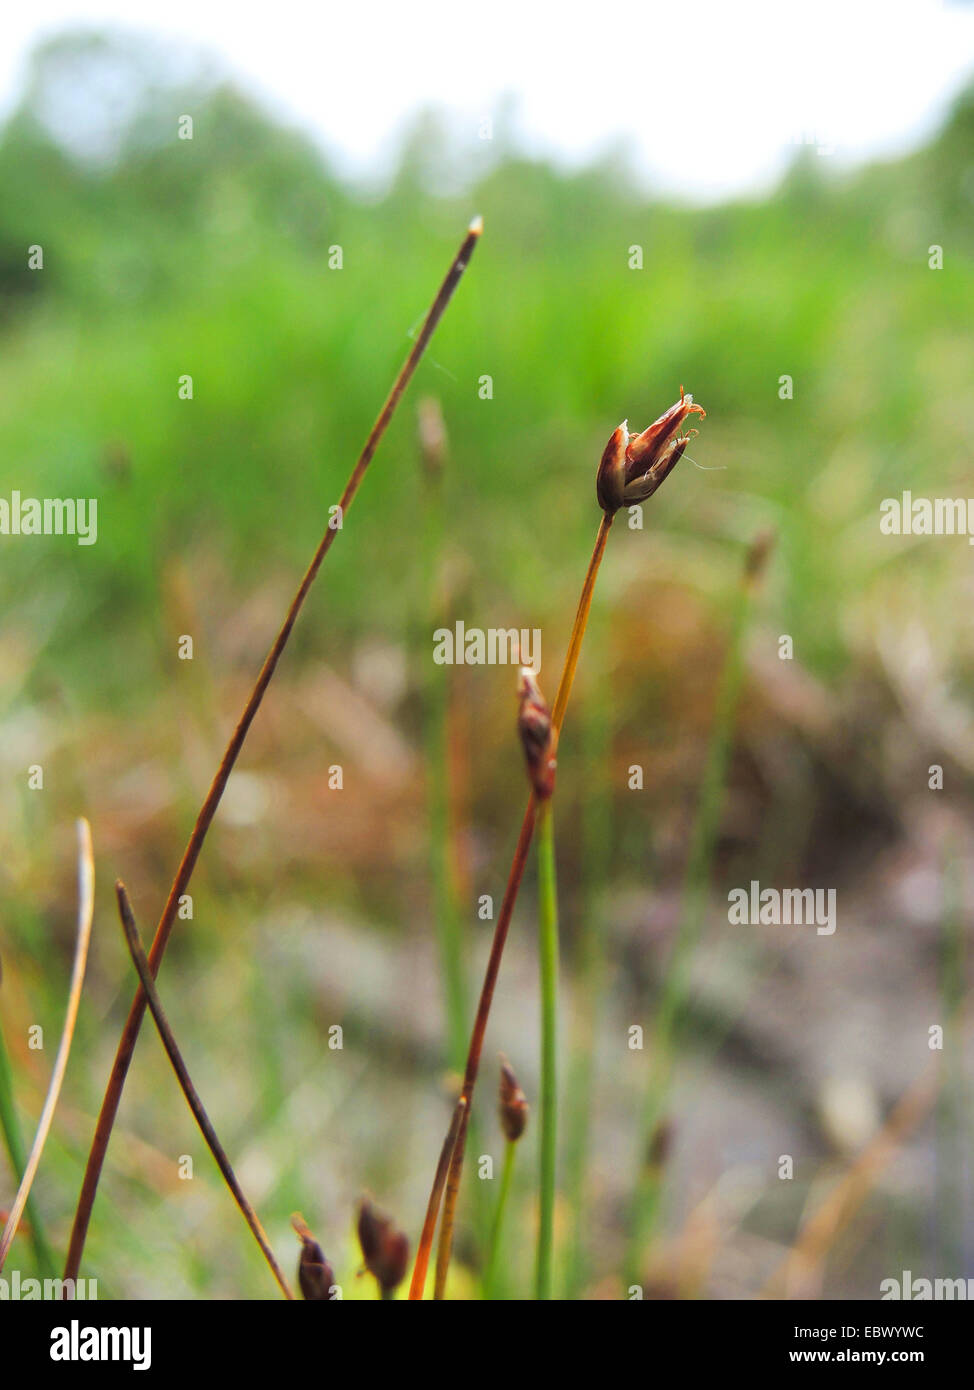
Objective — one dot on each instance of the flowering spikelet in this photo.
(633, 467)
(534, 726)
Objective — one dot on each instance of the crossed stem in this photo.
(130, 1033)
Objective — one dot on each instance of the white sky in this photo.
(712, 95)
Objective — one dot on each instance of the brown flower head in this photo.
(513, 1106)
(633, 467)
(534, 726)
(315, 1275)
(385, 1248)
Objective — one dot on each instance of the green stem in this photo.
(497, 945)
(494, 1244)
(596, 840)
(548, 954)
(14, 1142)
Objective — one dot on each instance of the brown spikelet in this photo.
(315, 1275)
(660, 1145)
(513, 1107)
(385, 1248)
(534, 726)
(633, 467)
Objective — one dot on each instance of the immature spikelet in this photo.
(315, 1275)
(385, 1248)
(513, 1105)
(534, 726)
(633, 467)
(758, 554)
(432, 435)
(660, 1145)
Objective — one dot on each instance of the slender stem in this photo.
(507, 907)
(141, 963)
(578, 627)
(477, 1042)
(130, 1033)
(548, 955)
(86, 908)
(494, 1244)
(597, 812)
(14, 1143)
(418, 1285)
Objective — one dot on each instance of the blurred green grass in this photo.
(209, 257)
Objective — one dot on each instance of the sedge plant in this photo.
(133, 1024)
(534, 726)
(513, 1110)
(632, 468)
